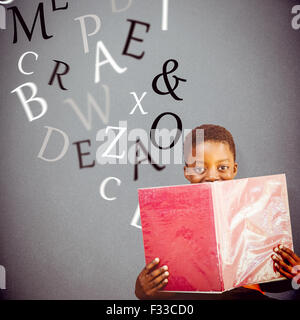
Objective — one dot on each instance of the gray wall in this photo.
(59, 238)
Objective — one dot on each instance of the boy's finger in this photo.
(283, 272)
(148, 268)
(284, 255)
(159, 286)
(159, 279)
(158, 272)
(290, 252)
(281, 264)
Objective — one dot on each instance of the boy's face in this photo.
(218, 164)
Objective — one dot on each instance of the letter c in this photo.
(20, 66)
(103, 185)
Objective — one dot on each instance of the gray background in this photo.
(58, 238)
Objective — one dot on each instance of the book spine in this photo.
(217, 211)
(288, 207)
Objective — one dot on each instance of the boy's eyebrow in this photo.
(223, 160)
(194, 164)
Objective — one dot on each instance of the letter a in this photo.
(109, 59)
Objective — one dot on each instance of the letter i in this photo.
(2, 18)
(164, 20)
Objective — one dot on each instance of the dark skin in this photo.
(216, 164)
(285, 261)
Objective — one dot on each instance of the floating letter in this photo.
(103, 185)
(83, 29)
(109, 59)
(45, 143)
(25, 102)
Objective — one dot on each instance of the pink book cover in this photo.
(219, 235)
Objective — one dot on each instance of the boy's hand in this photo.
(286, 262)
(150, 280)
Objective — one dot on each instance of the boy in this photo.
(219, 164)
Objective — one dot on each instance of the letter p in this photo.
(83, 29)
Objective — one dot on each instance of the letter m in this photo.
(29, 33)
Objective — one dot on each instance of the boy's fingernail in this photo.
(294, 272)
(166, 280)
(273, 257)
(166, 273)
(276, 249)
(281, 247)
(156, 260)
(165, 267)
(276, 265)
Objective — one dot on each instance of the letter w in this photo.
(91, 103)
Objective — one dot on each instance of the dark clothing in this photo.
(242, 293)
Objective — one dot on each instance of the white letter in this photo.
(83, 29)
(295, 20)
(114, 8)
(164, 23)
(64, 149)
(100, 136)
(136, 218)
(2, 18)
(42, 101)
(91, 103)
(21, 61)
(138, 103)
(2, 278)
(111, 136)
(102, 187)
(105, 154)
(109, 59)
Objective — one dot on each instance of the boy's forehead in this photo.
(215, 150)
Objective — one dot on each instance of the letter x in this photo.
(138, 103)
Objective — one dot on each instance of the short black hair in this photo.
(212, 132)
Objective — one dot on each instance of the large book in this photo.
(219, 235)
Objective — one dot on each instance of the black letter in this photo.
(17, 14)
(80, 154)
(156, 166)
(61, 8)
(59, 74)
(131, 30)
(155, 123)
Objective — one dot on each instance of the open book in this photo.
(219, 235)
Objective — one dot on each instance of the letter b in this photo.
(25, 102)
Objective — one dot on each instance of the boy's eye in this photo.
(223, 168)
(199, 170)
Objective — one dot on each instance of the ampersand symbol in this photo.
(164, 74)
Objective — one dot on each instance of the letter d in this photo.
(45, 143)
